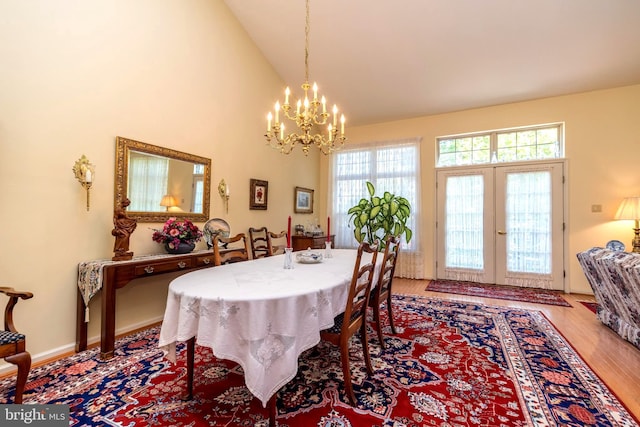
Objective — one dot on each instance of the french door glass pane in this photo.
(528, 222)
(464, 213)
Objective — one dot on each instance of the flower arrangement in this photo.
(174, 232)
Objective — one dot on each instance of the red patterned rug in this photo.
(451, 364)
(591, 305)
(513, 293)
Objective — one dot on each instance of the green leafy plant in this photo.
(379, 217)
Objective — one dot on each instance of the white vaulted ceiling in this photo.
(383, 60)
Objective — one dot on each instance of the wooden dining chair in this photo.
(277, 242)
(381, 293)
(259, 239)
(13, 344)
(353, 319)
(233, 252)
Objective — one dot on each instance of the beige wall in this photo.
(602, 131)
(74, 75)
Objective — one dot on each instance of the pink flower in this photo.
(174, 232)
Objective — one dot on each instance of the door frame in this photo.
(564, 211)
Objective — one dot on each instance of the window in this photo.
(198, 189)
(392, 166)
(147, 182)
(507, 145)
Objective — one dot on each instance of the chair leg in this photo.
(346, 373)
(376, 320)
(390, 311)
(191, 349)
(273, 411)
(23, 362)
(365, 348)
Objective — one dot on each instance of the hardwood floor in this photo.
(615, 360)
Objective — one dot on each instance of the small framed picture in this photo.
(258, 193)
(303, 200)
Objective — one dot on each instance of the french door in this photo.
(501, 224)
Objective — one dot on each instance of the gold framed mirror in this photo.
(161, 183)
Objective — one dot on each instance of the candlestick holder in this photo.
(223, 190)
(288, 258)
(327, 249)
(84, 172)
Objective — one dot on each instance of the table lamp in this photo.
(168, 201)
(630, 209)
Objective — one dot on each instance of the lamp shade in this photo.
(629, 209)
(168, 200)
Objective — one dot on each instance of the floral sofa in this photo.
(615, 279)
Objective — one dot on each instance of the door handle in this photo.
(502, 233)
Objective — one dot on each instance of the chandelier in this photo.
(309, 116)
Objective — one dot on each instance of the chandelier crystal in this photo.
(310, 116)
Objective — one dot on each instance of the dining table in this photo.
(259, 313)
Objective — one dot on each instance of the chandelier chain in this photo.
(306, 46)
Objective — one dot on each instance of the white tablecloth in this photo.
(259, 314)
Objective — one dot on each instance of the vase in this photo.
(183, 248)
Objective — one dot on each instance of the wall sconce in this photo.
(630, 209)
(168, 201)
(223, 190)
(84, 172)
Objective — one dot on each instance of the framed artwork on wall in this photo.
(258, 193)
(303, 200)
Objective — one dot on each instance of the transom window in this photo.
(507, 145)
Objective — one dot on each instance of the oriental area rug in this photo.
(451, 364)
(513, 293)
(591, 305)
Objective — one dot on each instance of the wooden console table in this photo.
(300, 242)
(107, 276)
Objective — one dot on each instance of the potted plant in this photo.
(179, 237)
(379, 217)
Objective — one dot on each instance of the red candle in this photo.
(289, 232)
(328, 229)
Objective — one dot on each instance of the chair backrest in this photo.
(233, 252)
(359, 290)
(277, 242)
(259, 239)
(388, 268)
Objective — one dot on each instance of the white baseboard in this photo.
(67, 348)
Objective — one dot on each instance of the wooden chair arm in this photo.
(10, 292)
(13, 300)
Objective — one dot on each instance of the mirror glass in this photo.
(161, 183)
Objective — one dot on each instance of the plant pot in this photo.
(183, 248)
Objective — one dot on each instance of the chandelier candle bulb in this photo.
(315, 91)
(287, 92)
(342, 125)
(277, 111)
(269, 118)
